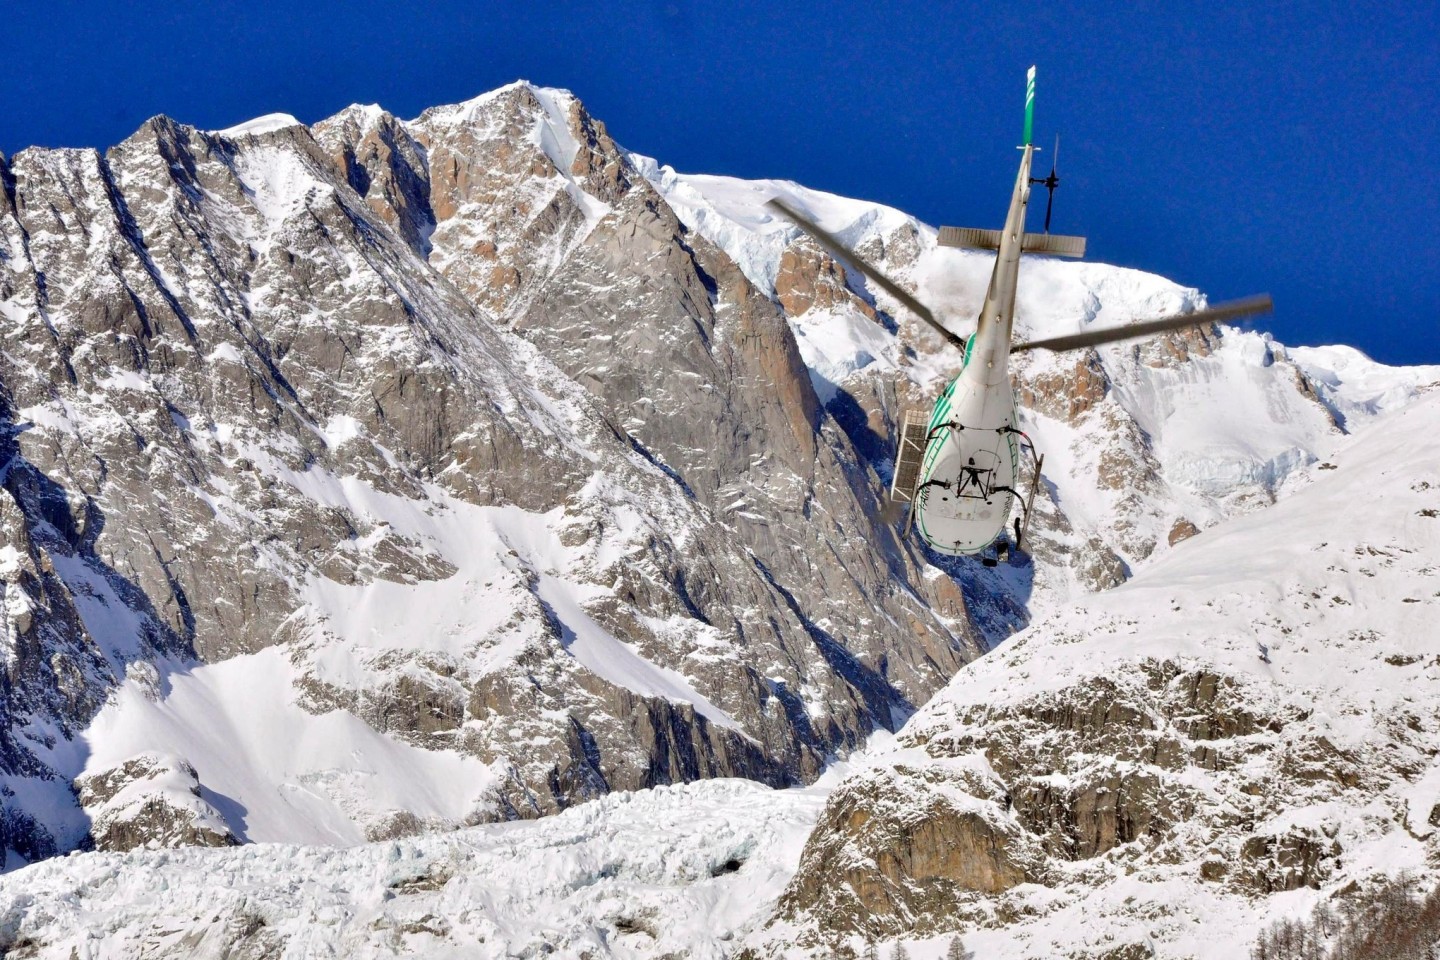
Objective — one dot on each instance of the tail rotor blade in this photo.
(836, 249)
(1094, 338)
(1050, 182)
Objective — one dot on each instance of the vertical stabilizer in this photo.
(1029, 105)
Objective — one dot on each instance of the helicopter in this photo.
(958, 467)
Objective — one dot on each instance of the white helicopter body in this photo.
(959, 469)
(971, 465)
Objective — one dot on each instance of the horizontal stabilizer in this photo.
(1051, 244)
(1054, 245)
(970, 238)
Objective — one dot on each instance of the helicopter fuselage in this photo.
(971, 464)
(958, 469)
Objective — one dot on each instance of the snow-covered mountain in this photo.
(379, 477)
(399, 475)
(1244, 730)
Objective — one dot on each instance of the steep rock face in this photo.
(1157, 422)
(71, 623)
(1246, 718)
(894, 851)
(257, 395)
(808, 277)
(688, 358)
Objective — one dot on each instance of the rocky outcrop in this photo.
(1102, 771)
(808, 277)
(150, 801)
(1182, 530)
(880, 863)
(1188, 742)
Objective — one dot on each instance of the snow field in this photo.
(676, 869)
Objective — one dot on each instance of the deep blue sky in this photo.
(1237, 147)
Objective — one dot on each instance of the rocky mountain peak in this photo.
(472, 377)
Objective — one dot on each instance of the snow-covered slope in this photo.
(1357, 388)
(1245, 729)
(266, 124)
(731, 214)
(1260, 733)
(676, 871)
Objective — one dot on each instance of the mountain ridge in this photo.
(276, 387)
(696, 867)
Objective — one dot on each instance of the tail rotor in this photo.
(1050, 182)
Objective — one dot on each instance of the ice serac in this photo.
(323, 410)
(1248, 717)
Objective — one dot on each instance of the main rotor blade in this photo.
(836, 249)
(1093, 338)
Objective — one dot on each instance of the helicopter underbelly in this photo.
(967, 477)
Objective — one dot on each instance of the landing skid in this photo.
(1027, 502)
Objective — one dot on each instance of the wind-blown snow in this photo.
(266, 124)
(1357, 388)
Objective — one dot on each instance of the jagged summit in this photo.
(556, 101)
